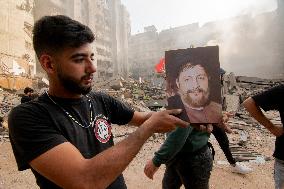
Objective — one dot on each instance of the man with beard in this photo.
(193, 88)
(65, 136)
(185, 152)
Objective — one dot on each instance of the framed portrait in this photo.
(193, 83)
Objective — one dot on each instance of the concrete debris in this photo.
(147, 96)
(7, 101)
(232, 103)
(243, 138)
(243, 153)
(236, 89)
(229, 82)
(156, 104)
(259, 160)
(141, 95)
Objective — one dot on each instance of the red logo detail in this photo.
(102, 130)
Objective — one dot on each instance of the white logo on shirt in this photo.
(102, 130)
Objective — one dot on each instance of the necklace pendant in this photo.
(71, 117)
(92, 123)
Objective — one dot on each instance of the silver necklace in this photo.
(70, 116)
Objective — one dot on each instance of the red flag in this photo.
(160, 67)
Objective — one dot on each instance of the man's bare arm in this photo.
(139, 118)
(65, 166)
(256, 113)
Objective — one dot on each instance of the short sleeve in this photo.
(270, 99)
(118, 112)
(31, 133)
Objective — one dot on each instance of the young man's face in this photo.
(193, 86)
(30, 93)
(75, 68)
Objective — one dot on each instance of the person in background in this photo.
(28, 92)
(186, 152)
(223, 142)
(271, 99)
(222, 137)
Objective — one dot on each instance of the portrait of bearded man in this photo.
(191, 74)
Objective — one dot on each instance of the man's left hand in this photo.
(224, 122)
(150, 169)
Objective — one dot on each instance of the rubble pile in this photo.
(252, 85)
(248, 132)
(139, 95)
(237, 89)
(145, 96)
(7, 101)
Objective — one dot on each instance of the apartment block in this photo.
(248, 44)
(109, 20)
(144, 52)
(16, 51)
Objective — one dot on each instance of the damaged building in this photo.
(108, 19)
(110, 22)
(144, 52)
(17, 58)
(249, 44)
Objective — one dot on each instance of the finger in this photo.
(149, 174)
(231, 113)
(227, 128)
(174, 111)
(225, 118)
(202, 127)
(180, 123)
(146, 171)
(209, 128)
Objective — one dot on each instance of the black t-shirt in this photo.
(273, 99)
(26, 99)
(40, 125)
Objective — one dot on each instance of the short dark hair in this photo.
(27, 90)
(54, 33)
(207, 57)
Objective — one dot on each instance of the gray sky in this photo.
(172, 13)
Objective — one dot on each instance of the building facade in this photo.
(120, 27)
(249, 44)
(144, 52)
(16, 52)
(110, 22)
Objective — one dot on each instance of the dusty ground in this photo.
(222, 178)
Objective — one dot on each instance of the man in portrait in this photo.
(194, 83)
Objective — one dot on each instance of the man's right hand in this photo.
(223, 124)
(150, 169)
(165, 121)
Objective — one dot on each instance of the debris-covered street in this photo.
(93, 89)
(251, 143)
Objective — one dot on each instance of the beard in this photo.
(197, 101)
(74, 86)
